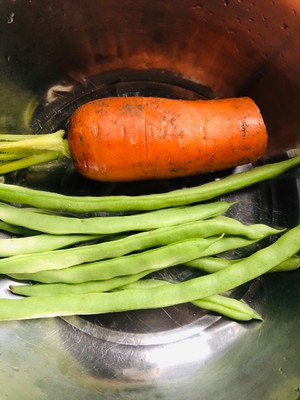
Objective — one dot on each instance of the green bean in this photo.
(213, 264)
(65, 258)
(227, 306)
(51, 289)
(40, 243)
(207, 191)
(62, 225)
(290, 264)
(132, 299)
(228, 243)
(153, 259)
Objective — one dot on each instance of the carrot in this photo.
(138, 138)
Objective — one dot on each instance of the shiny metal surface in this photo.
(56, 55)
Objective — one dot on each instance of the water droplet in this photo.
(226, 3)
(10, 18)
(197, 7)
(284, 26)
(230, 31)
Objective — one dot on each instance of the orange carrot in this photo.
(137, 138)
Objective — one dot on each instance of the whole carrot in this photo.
(138, 138)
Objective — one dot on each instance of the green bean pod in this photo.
(64, 225)
(133, 299)
(212, 264)
(229, 307)
(52, 289)
(207, 191)
(40, 243)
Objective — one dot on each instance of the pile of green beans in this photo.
(53, 260)
(202, 287)
(77, 264)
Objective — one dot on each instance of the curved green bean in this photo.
(207, 191)
(131, 299)
(228, 243)
(290, 264)
(229, 307)
(65, 258)
(62, 225)
(213, 264)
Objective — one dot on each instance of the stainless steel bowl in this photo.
(56, 55)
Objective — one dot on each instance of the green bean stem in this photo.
(28, 161)
(207, 191)
(30, 143)
(131, 299)
(62, 225)
(24, 151)
(65, 258)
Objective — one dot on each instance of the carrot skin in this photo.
(139, 138)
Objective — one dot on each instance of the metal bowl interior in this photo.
(54, 57)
